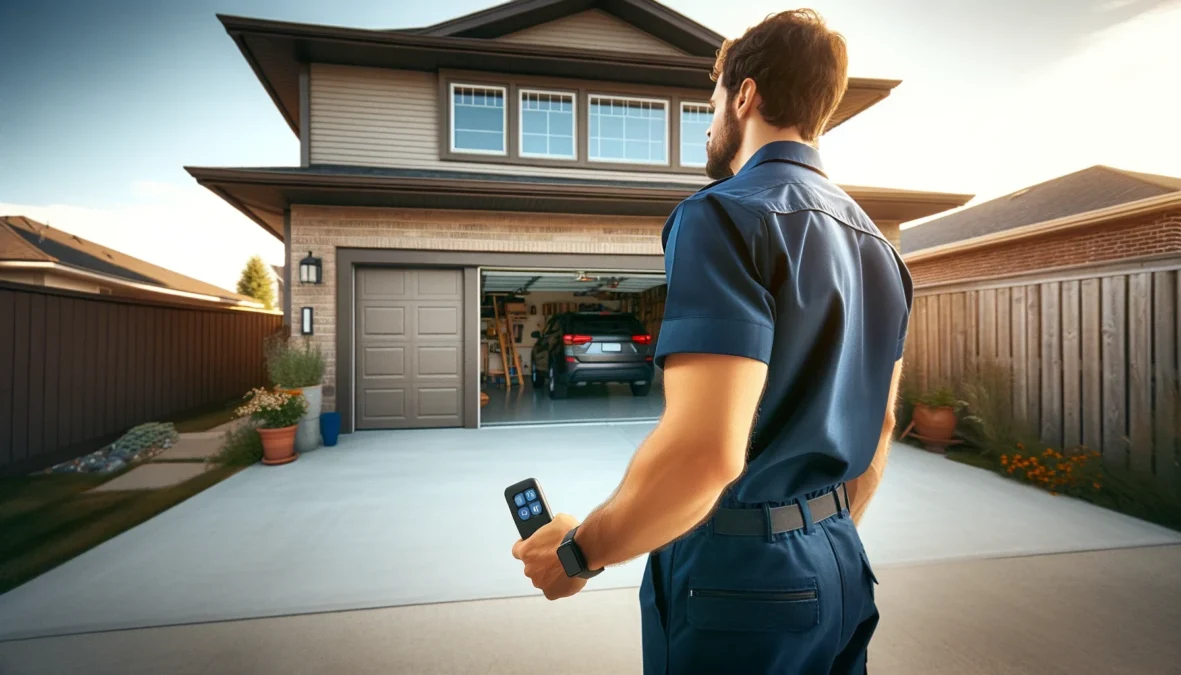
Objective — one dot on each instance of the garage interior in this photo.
(520, 303)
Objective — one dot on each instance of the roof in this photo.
(23, 239)
(1093, 188)
(279, 51)
(264, 194)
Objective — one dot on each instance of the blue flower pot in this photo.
(330, 427)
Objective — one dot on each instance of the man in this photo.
(781, 347)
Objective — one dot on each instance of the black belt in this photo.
(753, 522)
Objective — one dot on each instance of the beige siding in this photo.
(379, 117)
(593, 29)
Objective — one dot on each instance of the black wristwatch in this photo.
(572, 559)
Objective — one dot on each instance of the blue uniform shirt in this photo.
(778, 264)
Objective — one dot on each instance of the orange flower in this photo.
(1004, 459)
(1098, 486)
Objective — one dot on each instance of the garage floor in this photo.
(407, 517)
(593, 403)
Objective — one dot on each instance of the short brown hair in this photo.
(799, 66)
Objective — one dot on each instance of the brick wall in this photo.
(322, 229)
(1106, 242)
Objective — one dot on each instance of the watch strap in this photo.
(572, 544)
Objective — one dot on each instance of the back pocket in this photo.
(726, 605)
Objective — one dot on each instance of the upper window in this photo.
(478, 119)
(547, 124)
(695, 120)
(630, 130)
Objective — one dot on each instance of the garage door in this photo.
(409, 348)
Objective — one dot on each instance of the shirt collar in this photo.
(786, 151)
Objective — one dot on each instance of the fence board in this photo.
(1072, 431)
(1114, 313)
(988, 325)
(1004, 327)
(1051, 364)
(1017, 316)
(959, 344)
(930, 344)
(1140, 372)
(972, 326)
(20, 368)
(1033, 355)
(88, 349)
(1092, 339)
(1165, 383)
(7, 375)
(37, 387)
(53, 334)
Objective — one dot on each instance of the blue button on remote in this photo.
(519, 498)
(523, 513)
(531, 495)
(537, 508)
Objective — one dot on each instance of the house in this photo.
(36, 254)
(1096, 215)
(533, 149)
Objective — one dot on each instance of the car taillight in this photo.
(576, 339)
(571, 359)
(642, 339)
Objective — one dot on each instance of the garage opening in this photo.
(560, 347)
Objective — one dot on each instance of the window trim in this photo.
(681, 135)
(521, 91)
(667, 103)
(504, 135)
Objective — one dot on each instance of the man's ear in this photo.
(745, 97)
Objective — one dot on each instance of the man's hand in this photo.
(540, 554)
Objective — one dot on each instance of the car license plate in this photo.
(612, 347)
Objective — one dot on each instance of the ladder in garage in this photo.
(509, 357)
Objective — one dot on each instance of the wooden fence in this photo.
(1094, 355)
(78, 370)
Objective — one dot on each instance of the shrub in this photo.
(991, 426)
(1075, 471)
(292, 365)
(274, 409)
(940, 397)
(242, 447)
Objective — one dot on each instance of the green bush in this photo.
(292, 365)
(274, 409)
(242, 447)
(939, 397)
(990, 425)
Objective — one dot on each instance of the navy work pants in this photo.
(792, 603)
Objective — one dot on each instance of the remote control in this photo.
(527, 503)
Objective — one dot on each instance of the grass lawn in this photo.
(48, 519)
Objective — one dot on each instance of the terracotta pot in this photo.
(934, 425)
(278, 445)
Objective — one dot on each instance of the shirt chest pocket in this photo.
(727, 605)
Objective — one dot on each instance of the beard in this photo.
(722, 147)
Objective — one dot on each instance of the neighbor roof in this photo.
(23, 239)
(1093, 188)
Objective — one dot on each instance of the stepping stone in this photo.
(152, 476)
(194, 446)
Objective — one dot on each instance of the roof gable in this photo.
(13, 246)
(594, 29)
(1093, 188)
(646, 17)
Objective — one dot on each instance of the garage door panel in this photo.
(409, 348)
(442, 402)
(383, 321)
(438, 321)
(383, 362)
(387, 405)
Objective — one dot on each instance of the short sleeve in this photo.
(716, 303)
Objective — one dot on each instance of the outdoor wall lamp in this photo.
(310, 271)
(305, 321)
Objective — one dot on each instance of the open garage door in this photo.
(569, 346)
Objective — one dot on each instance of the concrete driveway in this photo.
(401, 518)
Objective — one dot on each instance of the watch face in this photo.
(569, 560)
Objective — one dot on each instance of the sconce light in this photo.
(310, 271)
(305, 321)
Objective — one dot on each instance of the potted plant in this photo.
(934, 417)
(277, 414)
(298, 367)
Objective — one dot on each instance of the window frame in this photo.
(521, 91)
(504, 137)
(681, 125)
(666, 102)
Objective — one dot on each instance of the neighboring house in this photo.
(1096, 215)
(280, 277)
(549, 137)
(36, 254)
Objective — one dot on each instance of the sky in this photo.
(102, 104)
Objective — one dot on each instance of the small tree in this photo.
(256, 282)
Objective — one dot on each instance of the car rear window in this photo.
(615, 324)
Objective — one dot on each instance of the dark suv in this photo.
(580, 347)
